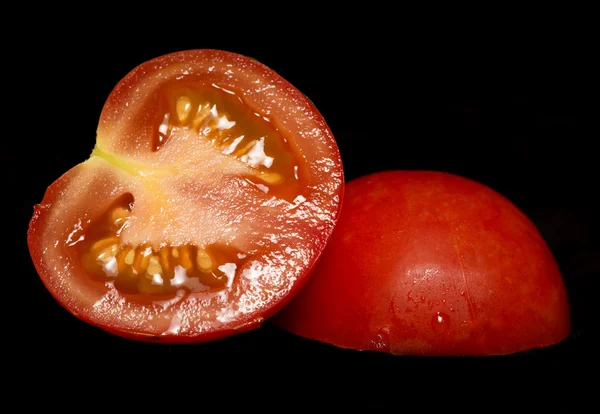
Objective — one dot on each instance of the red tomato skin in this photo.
(429, 263)
(293, 114)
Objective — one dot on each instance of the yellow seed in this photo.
(245, 149)
(203, 260)
(100, 245)
(185, 258)
(129, 256)
(183, 107)
(144, 262)
(118, 214)
(165, 259)
(121, 259)
(107, 253)
(137, 262)
(200, 116)
(271, 177)
(141, 260)
(146, 257)
(154, 266)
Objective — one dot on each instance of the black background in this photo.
(512, 116)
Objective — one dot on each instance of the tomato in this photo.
(212, 190)
(430, 263)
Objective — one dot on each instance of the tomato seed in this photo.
(154, 266)
(183, 108)
(129, 256)
(203, 111)
(203, 260)
(271, 177)
(101, 245)
(119, 214)
(185, 259)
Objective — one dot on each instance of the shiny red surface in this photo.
(429, 263)
(191, 184)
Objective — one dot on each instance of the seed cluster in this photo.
(147, 270)
(207, 120)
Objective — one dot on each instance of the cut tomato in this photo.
(427, 263)
(211, 192)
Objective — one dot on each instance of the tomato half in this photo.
(212, 190)
(428, 263)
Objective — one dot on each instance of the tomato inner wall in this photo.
(141, 270)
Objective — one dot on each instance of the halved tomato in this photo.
(429, 263)
(212, 190)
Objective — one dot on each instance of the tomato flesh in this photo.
(206, 201)
(427, 263)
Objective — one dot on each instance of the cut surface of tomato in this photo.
(211, 192)
(429, 263)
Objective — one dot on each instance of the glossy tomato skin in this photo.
(429, 263)
(279, 266)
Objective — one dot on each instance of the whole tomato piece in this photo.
(429, 263)
(212, 189)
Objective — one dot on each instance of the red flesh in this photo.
(291, 236)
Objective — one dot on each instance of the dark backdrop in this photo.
(516, 120)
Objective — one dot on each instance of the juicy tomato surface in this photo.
(429, 263)
(212, 190)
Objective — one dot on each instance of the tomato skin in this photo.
(429, 263)
(123, 132)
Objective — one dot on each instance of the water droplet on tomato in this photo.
(381, 341)
(440, 323)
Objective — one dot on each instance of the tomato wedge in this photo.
(211, 192)
(429, 263)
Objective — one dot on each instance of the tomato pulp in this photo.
(212, 190)
(428, 263)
